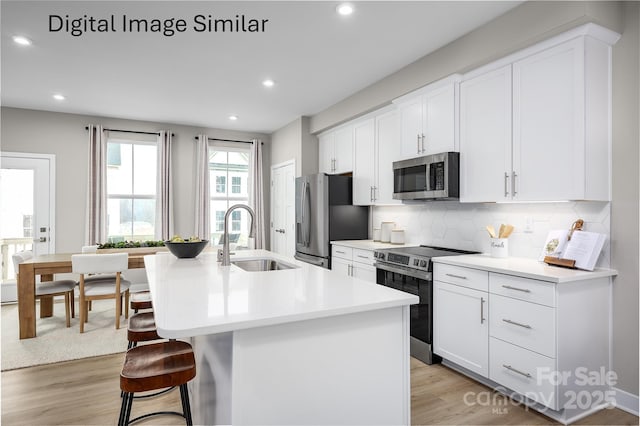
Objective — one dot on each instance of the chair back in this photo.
(21, 257)
(99, 263)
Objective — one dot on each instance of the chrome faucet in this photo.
(226, 258)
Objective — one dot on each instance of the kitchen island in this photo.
(303, 345)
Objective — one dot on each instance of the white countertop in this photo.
(198, 296)
(527, 268)
(367, 244)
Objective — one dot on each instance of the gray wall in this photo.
(518, 28)
(65, 136)
(295, 141)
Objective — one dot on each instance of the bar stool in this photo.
(141, 328)
(140, 300)
(156, 366)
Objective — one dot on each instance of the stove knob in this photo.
(423, 263)
(381, 256)
(415, 262)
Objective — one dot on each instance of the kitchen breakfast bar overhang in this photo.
(303, 345)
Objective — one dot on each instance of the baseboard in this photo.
(626, 401)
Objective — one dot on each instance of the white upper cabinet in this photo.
(376, 148)
(428, 119)
(535, 126)
(335, 151)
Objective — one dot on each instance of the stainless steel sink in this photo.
(262, 264)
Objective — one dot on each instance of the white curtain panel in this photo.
(96, 217)
(202, 188)
(164, 189)
(256, 192)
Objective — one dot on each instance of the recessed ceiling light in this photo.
(344, 9)
(59, 97)
(268, 83)
(233, 117)
(22, 40)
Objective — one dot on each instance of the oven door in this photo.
(414, 282)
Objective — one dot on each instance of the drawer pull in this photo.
(516, 323)
(525, 290)
(508, 367)
(363, 257)
(456, 276)
(341, 252)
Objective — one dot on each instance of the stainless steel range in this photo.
(410, 269)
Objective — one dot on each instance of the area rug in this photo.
(55, 342)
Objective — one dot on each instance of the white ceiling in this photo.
(315, 56)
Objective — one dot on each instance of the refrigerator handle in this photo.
(307, 200)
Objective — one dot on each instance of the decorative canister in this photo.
(397, 236)
(376, 234)
(499, 247)
(385, 231)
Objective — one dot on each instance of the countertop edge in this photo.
(525, 268)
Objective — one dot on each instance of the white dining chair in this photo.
(50, 288)
(104, 288)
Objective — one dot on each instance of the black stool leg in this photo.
(186, 407)
(125, 409)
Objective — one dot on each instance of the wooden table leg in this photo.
(46, 303)
(27, 301)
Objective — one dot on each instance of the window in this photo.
(131, 190)
(229, 180)
(236, 184)
(221, 186)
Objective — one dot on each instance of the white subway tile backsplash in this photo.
(462, 225)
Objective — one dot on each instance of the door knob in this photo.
(40, 240)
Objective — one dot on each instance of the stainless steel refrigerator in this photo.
(324, 213)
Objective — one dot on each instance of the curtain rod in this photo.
(130, 131)
(228, 140)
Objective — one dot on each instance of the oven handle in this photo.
(415, 273)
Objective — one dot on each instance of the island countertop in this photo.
(198, 296)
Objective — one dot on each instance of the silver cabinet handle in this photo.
(508, 367)
(516, 323)
(456, 276)
(418, 143)
(341, 252)
(482, 310)
(513, 183)
(524, 290)
(362, 257)
(374, 193)
(371, 193)
(506, 178)
(423, 150)
(350, 270)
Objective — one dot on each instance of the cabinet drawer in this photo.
(342, 252)
(466, 277)
(363, 256)
(523, 371)
(525, 324)
(527, 289)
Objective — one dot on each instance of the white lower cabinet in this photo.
(532, 339)
(353, 262)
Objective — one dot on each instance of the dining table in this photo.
(45, 266)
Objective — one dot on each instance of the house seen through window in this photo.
(229, 185)
(131, 190)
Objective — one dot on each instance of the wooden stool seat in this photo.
(156, 366)
(140, 300)
(142, 328)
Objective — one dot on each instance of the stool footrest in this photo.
(157, 413)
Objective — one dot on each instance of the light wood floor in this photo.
(86, 392)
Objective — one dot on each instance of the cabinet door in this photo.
(343, 146)
(325, 153)
(411, 128)
(363, 163)
(387, 131)
(485, 137)
(461, 326)
(439, 118)
(341, 265)
(548, 124)
(364, 272)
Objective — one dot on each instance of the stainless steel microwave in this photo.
(432, 177)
